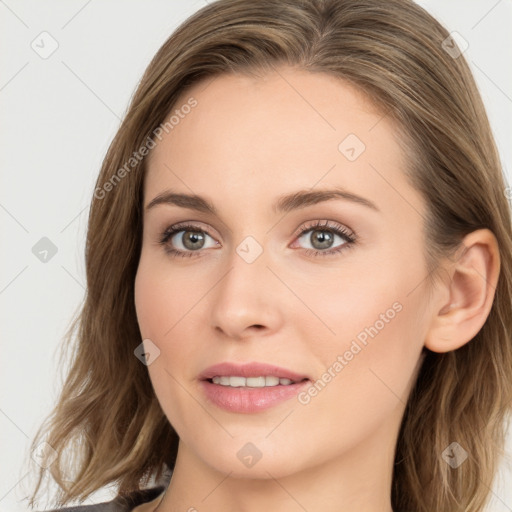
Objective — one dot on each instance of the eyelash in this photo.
(349, 236)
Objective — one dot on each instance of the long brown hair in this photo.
(108, 427)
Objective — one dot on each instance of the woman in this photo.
(298, 274)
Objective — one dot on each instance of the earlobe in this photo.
(470, 289)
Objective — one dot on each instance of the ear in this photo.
(466, 298)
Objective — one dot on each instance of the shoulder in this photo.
(124, 503)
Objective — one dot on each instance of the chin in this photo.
(246, 460)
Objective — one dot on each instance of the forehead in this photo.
(257, 137)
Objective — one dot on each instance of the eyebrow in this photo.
(283, 204)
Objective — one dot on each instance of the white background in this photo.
(59, 115)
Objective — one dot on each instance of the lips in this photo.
(250, 370)
(237, 387)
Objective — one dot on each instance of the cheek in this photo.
(368, 303)
(162, 297)
(374, 332)
(161, 303)
(367, 374)
(167, 302)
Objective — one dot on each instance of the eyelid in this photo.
(192, 225)
(327, 225)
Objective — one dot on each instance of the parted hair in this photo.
(107, 426)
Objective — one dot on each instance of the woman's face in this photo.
(343, 305)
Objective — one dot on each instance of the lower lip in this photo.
(249, 400)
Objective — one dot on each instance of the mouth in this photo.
(267, 381)
(250, 375)
(250, 387)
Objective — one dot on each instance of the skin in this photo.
(248, 141)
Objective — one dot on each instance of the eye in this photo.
(321, 237)
(185, 239)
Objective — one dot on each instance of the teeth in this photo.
(251, 382)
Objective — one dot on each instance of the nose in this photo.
(242, 303)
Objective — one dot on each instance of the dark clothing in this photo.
(119, 504)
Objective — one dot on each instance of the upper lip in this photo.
(250, 370)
